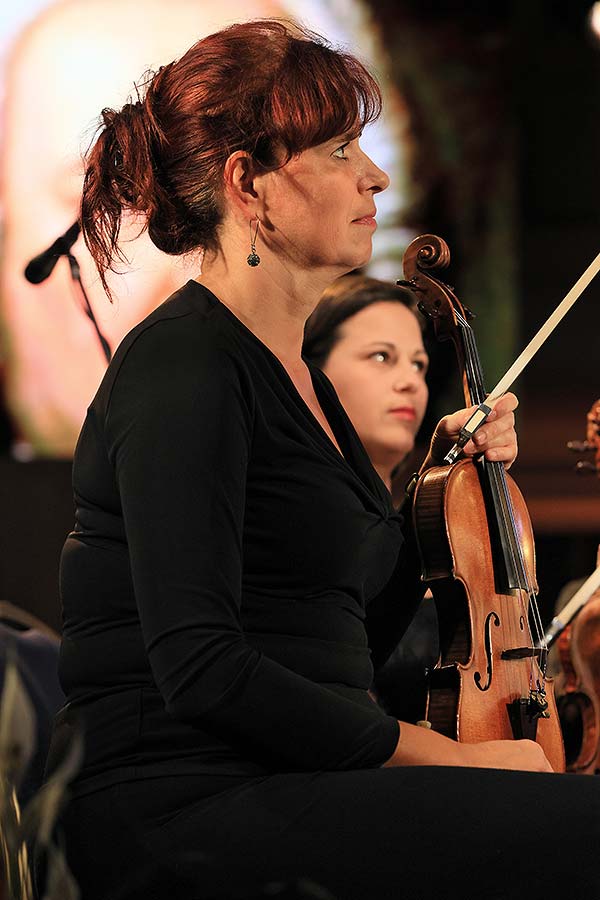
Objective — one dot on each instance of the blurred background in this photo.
(492, 139)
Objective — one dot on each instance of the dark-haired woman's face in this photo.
(378, 368)
(321, 207)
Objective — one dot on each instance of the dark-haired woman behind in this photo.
(233, 545)
(367, 336)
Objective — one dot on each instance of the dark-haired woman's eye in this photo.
(380, 356)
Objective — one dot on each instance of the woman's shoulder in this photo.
(184, 346)
(186, 329)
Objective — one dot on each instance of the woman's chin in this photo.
(389, 456)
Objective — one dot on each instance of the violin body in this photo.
(474, 693)
(478, 557)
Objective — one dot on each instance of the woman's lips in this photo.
(366, 220)
(404, 412)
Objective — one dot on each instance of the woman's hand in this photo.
(422, 747)
(496, 439)
(524, 755)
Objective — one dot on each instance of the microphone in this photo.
(40, 267)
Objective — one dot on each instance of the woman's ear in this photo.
(238, 176)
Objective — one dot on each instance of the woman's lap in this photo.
(382, 834)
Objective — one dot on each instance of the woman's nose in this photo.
(374, 179)
(406, 378)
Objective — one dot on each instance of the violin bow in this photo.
(575, 604)
(484, 409)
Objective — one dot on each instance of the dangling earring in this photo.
(253, 258)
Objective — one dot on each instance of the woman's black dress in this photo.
(226, 567)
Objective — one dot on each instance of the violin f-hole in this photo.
(492, 619)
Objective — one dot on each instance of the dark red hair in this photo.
(265, 87)
(343, 299)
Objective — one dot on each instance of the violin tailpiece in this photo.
(525, 712)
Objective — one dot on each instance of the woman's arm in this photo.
(179, 432)
(419, 746)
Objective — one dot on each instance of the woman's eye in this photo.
(420, 365)
(340, 153)
(380, 356)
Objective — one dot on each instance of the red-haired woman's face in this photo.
(378, 368)
(320, 207)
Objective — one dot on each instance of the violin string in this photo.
(477, 392)
(500, 487)
(523, 575)
(503, 505)
(526, 585)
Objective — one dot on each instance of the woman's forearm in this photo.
(418, 746)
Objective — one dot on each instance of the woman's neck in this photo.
(273, 301)
(385, 473)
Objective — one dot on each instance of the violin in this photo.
(578, 683)
(478, 557)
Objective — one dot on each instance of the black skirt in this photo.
(422, 833)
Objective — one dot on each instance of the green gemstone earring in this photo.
(253, 258)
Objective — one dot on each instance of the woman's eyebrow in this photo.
(345, 138)
(389, 344)
(419, 351)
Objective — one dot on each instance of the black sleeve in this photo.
(391, 612)
(179, 435)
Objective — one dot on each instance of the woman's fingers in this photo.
(496, 438)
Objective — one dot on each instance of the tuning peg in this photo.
(580, 446)
(586, 468)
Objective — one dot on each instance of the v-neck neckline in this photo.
(345, 455)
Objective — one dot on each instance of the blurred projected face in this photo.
(378, 369)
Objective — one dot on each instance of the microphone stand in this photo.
(40, 267)
(87, 307)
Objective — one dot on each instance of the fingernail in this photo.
(480, 437)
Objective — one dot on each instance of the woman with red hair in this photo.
(233, 545)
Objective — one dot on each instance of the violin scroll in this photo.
(423, 260)
(427, 252)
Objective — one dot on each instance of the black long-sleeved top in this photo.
(215, 585)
